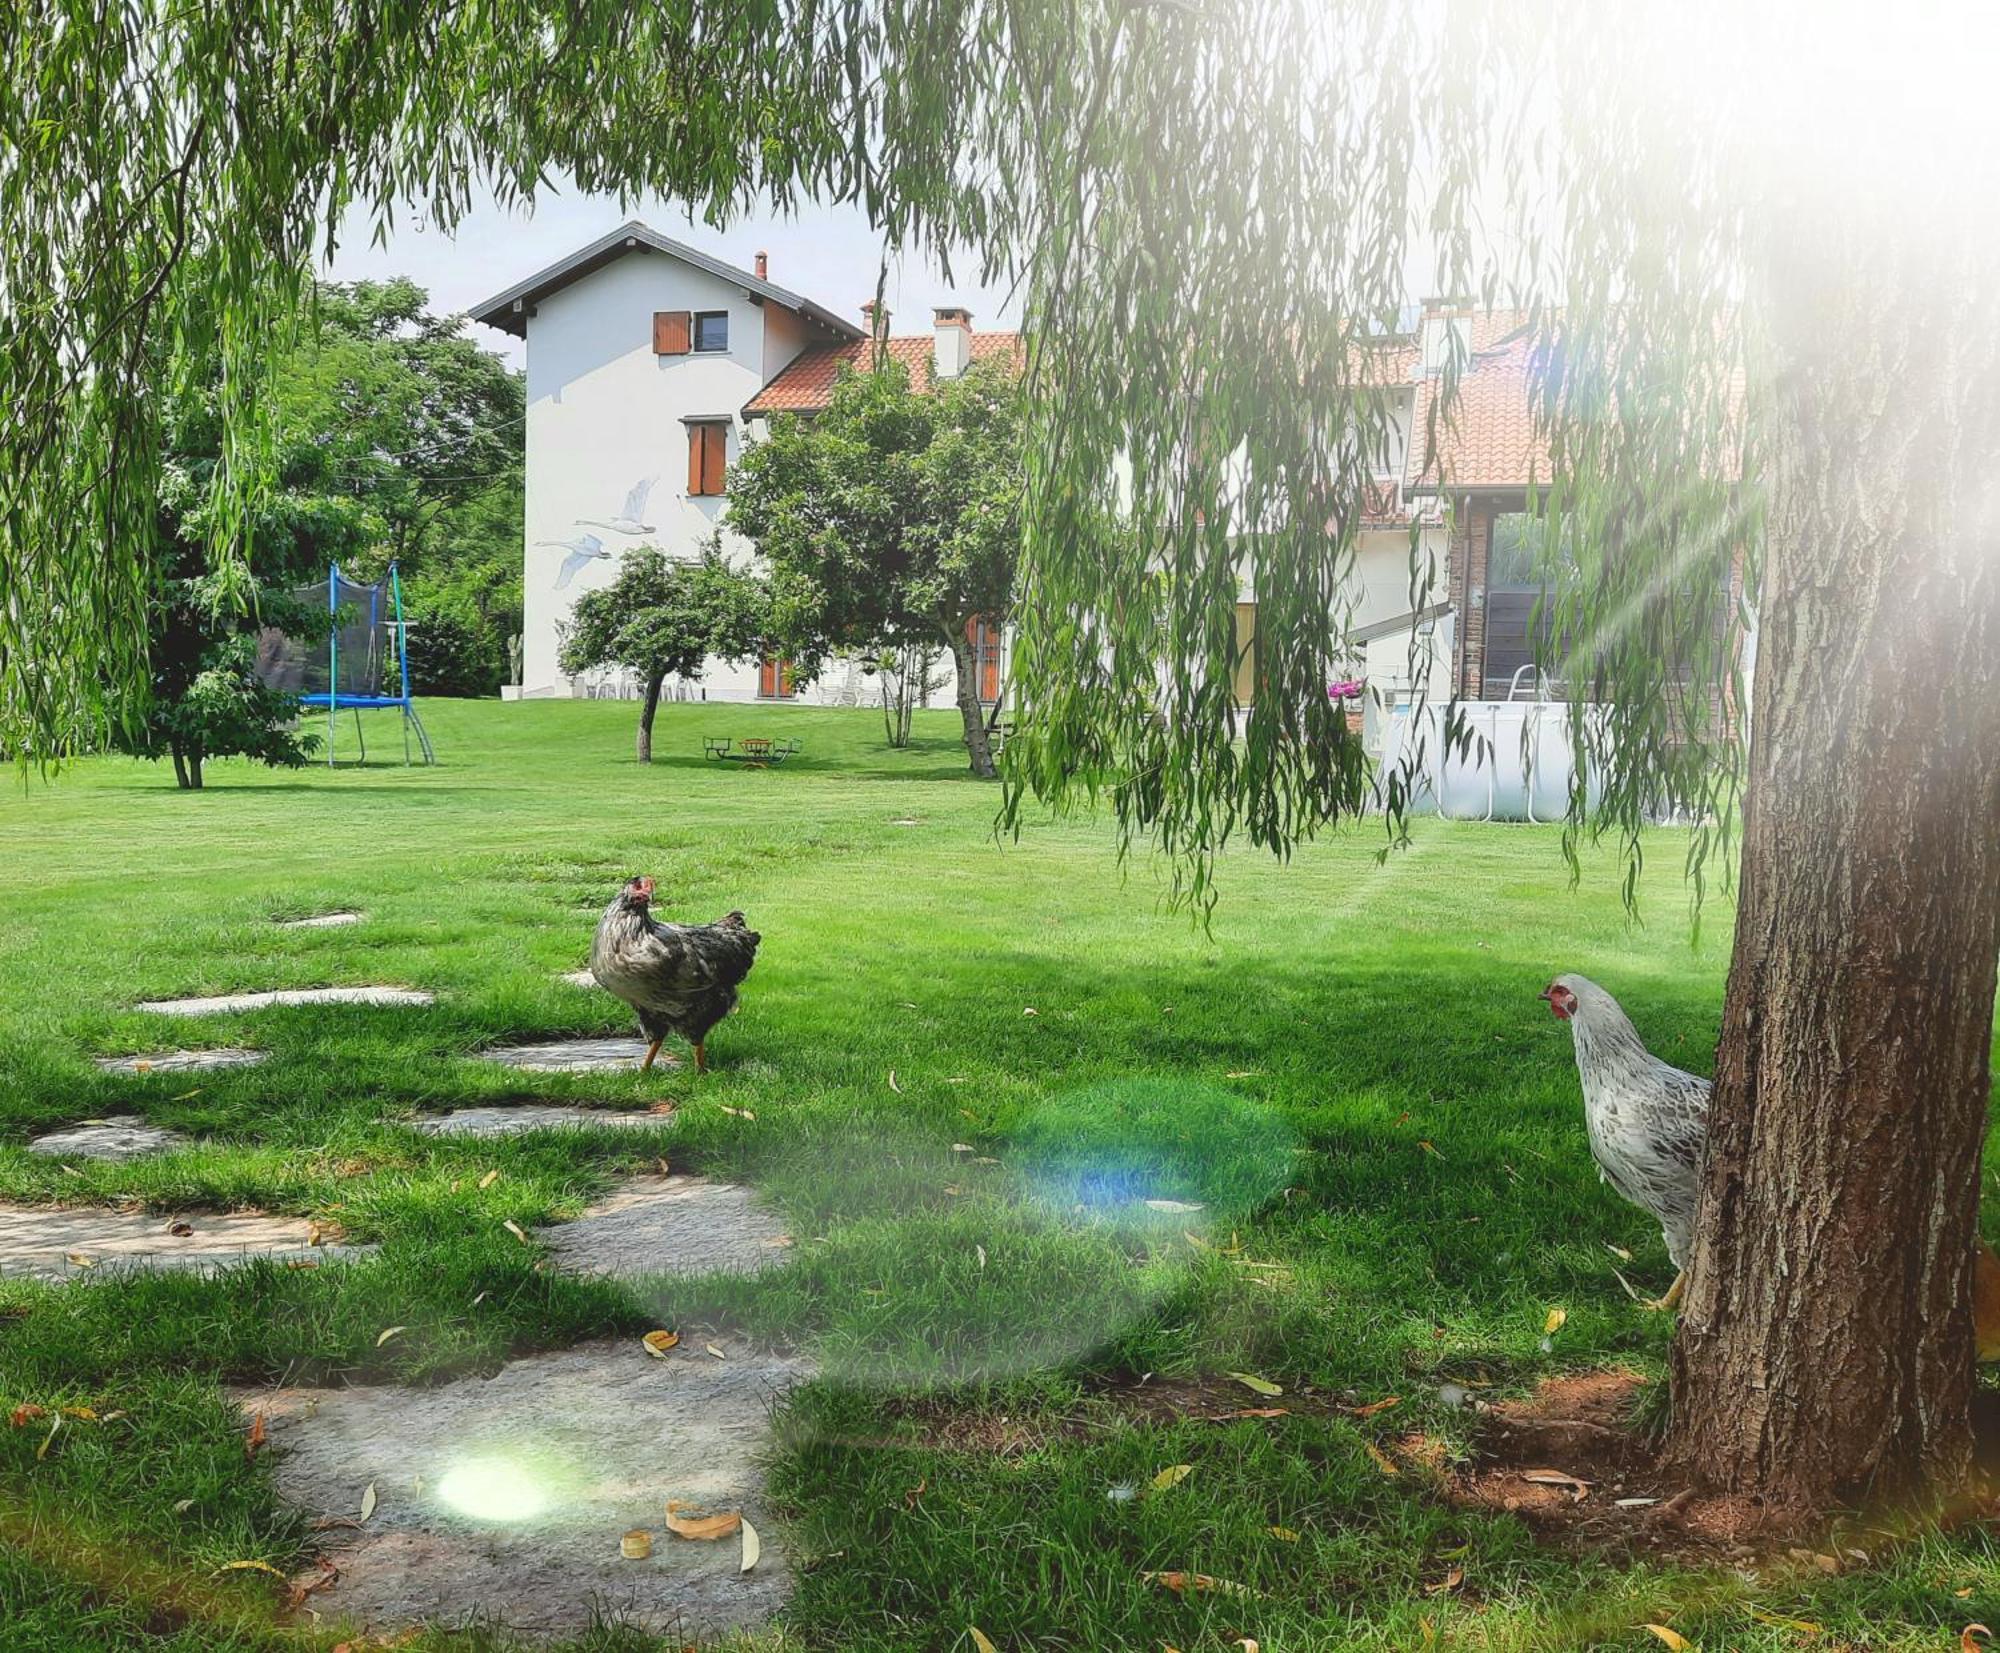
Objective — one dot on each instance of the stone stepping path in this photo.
(111, 1140)
(226, 1003)
(504, 1498)
(320, 921)
(515, 1121)
(578, 978)
(184, 1061)
(576, 1056)
(43, 1242)
(670, 1225)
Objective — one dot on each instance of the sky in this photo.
(827, 254)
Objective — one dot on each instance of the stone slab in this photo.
(227, 1003)
(320, 921)
(578, 978)
(576, 1056)
(503, 1499)
(670, 1225)
(184, 1061)
(517, 1120)
(111, 1140)
(41, 1241)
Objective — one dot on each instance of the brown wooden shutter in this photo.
(715, 459)
(696, 442)
(671, 332)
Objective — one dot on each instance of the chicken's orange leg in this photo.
(700, 1056)
(652, 1051)
(1673, 1297)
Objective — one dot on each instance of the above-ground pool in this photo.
(1517, 767)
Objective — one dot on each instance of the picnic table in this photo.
(755, 751)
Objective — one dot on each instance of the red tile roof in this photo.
(805, 384)
(1487, 438)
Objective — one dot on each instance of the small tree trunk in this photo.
(966, 663)
(180, 767)
(1825, 1348)
(194, 757)
(647, 708)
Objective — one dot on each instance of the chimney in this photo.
(763, 266)
(876, 318)
(953, 353)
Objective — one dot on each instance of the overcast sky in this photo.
(826, 254)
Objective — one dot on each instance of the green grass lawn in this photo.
(1351, 1076)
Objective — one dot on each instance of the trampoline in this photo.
(362, 665)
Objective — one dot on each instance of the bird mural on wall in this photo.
(1647, 1122)
(680, 978)
(631, 519)
(583, 550)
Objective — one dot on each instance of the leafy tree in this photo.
(890, 521)
(1204, 200)
(665, 618)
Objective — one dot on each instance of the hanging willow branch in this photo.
(1213, 205)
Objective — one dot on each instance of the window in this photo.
(984, 636)
(708, 456)
(1243, 680)
(711, 330)
(774, 679)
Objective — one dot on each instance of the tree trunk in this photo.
(194, 757)
(965, 661)
(647, 708)
(1825, 1348)
(180, 767)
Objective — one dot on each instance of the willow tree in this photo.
(1768, 327)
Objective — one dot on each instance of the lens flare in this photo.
(493, 1489)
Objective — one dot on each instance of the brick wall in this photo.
(1472, 536)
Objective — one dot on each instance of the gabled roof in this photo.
(805, 384)
(509, 310)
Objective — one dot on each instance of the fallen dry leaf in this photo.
(1429, 1148)
(753, 1547)
(1180, 1583)
(636, 1545)
(982, 1643)
(1373, 1407)
(1575, 1487)
(1383, 1461)
(490, 1178)
(367, 1503)
(979, 1251)
(740, 1113)
(315, 1235)
(1030, 1010)
(1804, 1627)
(898, 1089)
(910, 1498)
(255, 1439)
(393, 1331)
(1283, 1534)
(1966, 1641)
(1262, 1386)
(1618, 1251)
(703, 1527)
(1554, 1322)
(49, 1440)
(307, 1583)
(1673, 1638)
(1249, 1412)
(22, 1416)
(180, 1230)
(712, 1349)
(516, 1230)
(78, 1260)
(249, 1567)
(1172, 1476)
(1247, 1643)
(658, 1343)
(1451, 1581)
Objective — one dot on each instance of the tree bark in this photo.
(646, 711)
(180, 767)
(1825, 1349)
(965, 662)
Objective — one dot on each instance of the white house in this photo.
(649, 365)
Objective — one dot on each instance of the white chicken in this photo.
(1646, 1120)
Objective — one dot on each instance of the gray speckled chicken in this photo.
(1646, 1120)
(680, 978)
